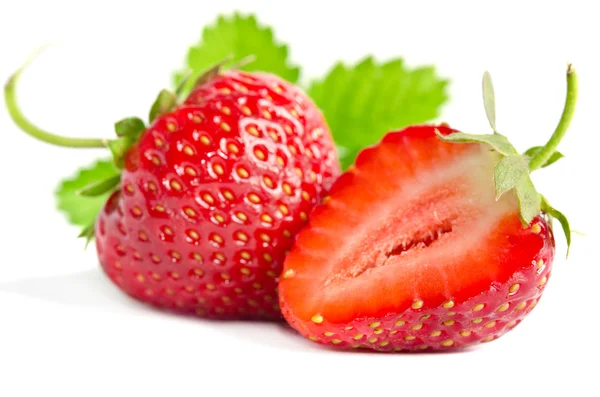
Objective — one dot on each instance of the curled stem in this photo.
(542, 156)
(31, 129)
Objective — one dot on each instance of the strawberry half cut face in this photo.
(417, 231)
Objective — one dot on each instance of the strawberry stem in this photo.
(21, 121)
(542, 156)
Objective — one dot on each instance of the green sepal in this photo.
(118, 148)
(164, 103)
(130, 127)
(508, 173)
(553, 158)
(211, 72)
(100, 187)
(553, 213)
(497, 141)
(489, 99)
(87, 233)
(530, 201)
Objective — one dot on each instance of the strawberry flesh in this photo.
(415, 225)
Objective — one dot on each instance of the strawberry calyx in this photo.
(513, 170)
(127, 130)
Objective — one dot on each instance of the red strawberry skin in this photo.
(425, 259)
(212, 196)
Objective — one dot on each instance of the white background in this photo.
(65, 330)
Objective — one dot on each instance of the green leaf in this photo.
(239, 36)
(79, 210)
(489, 99)
(499, 142)
(562, 219)
(164, 103)
(130, 127)
(508, 173)
(530, 201)
(100, 187)
(118, 148)
(553, 159)
(365, 101)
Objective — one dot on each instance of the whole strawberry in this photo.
(211, 194)
(441, 242)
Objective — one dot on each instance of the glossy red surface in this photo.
(213, 195)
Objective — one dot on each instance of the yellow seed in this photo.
(225, 276)
(490, 324)
(208, 286)
(400, 323)
(268, 257)
(171, 127)
(256, 286)
(328, 333)
(511, 324)
(378, 331)
(487, 338)
(422, 347)
(425, 317)
(241, 216)
(232, 148)
(306, 196)
(448, 304)
(384, 343)
(478, 307)
(188, 150)
(478, 320)
(246, 255)
(358, 336)
(303, 216)
(204, 140)
(219, 218)
(287, 233)
(294, 113)
(397, 349)
(287, 189)
(393, 332)
(198, 272)
(536, 228)
(253, 197)
(242, 173)
(226, 110)
(543, 281)
(140, 278)
(158, 142)
(417, 327)
(218, 168)
(266, 114)
(375, 324)
(136, 211)
(289, 273)
(521, 306)
(417, 304)
(435, 333)
(242, 236)
(143, 236)
(190, 171)
(226, 299)
(155, 258)
(152, 186)
(217, 239)
(155, 160)
(175, 185)
(280, 161)
(336, 341)
(225, 127)
(514, 288)
(190, 212)
(268, 182)
(449, 323)
(410, 337)
(253, 131)
(208, 198)
(317, 319)
(503, 307)
(448, 342)
(197, 257)
(266, 218)
(259, 154)
(450, 314)
(193, 235)
(540, 264)
(465, 333)
(373, 340)
(195, 118)
(284, 209)
(348, 328)
(271, 273)
(246, 110)
(167, 230)
(313, 338)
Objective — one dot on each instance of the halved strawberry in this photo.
(418, 248)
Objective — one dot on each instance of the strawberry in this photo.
(441, 242)
(211, 194)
